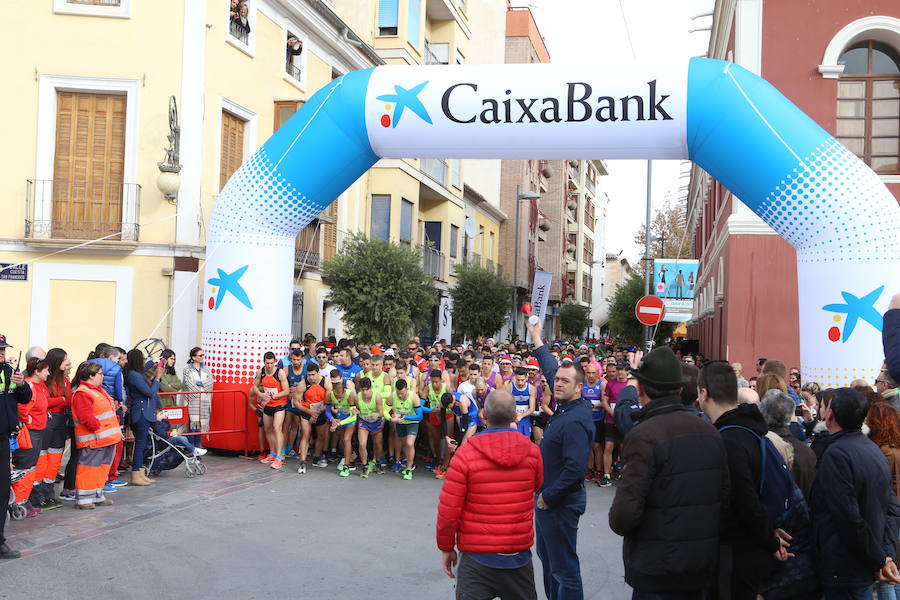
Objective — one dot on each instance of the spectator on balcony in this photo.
(234, 9)
(294, 48)
(240, 22)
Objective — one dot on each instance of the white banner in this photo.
(611, 110)
(540, 296)
(445, 319)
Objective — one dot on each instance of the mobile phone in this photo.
(798, 411)
(161, 364)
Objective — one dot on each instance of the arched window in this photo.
(868, 105)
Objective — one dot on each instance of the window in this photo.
(588, 250)
(490, 250)
(292, 53)
(97, 8)
(588, 214)
(437, 54)
(232, 147)
(284, 110)
(381, 217)
(88, 165)
(406, 218)
(454, 240)
(570, 283)
(587, 287)
(240, 22)
(868, 105)
(456, 172)
(387, 16)
(414, 24)
(96, 2)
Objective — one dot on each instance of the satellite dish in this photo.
(469, 227)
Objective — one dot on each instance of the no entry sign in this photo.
(650, 310)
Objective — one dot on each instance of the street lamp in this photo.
(168, 181)
(515, 292)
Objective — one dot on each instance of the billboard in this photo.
(675, 281)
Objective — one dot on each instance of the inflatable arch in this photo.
(829, 205)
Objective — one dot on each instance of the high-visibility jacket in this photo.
(96, 424)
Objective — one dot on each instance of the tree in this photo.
(623, 324)
(381, 289)
(667, 230)
(481, 301)
(574, 319)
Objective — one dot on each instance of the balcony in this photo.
(292, 70)
(433, 262)
(435, 168)
(101, 211)
(239, 32)
(307, 249)
(437, 53)
(475, 260)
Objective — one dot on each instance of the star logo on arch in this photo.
(403, 99)
(858, 308)
(228, 283)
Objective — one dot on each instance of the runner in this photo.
(613, 436)
(381, 385)
(370, 422)
(524, 395)
(469, 410)
(593, 389)
(446, 418)
(396, 441)
(406, 423)
(491, 378)
(341, 405)
(535, 380)
(435, 391)
(480, 397)
(272, 390)
(310, 401)
(548, 406)
(347, 367)
(506, 371)
(285, 361)
(295, 372)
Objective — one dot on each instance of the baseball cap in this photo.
(3, 343)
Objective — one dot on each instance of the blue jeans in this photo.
(848, 593)
(887, 591)
(180, 440)
(556, 532)
(195, 439)
(140, 429)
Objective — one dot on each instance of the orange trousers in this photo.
(92, 473)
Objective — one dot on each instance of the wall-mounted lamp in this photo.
(168, 181)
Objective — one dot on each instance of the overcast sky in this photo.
(579, 31)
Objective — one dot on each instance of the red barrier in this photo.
(229, 420)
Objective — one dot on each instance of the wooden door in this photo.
(89, 165)
(232, 147)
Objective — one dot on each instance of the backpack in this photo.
(776, 485)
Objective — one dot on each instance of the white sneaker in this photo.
(199, 451)
(302, 469)
(340, 464)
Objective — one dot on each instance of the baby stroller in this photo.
(164, 455)
(17, 512)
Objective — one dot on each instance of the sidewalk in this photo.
(172, 491)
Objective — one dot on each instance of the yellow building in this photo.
(111, 258)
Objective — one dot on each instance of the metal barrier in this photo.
(227, 408)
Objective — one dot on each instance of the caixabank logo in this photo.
(399, 101)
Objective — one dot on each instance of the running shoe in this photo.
(277, 463)
(302, 469)
(343, 471)
(407, 474)
(383, 461)
(67, 495)
(396, 467)
(323, 462)
(262, 457)
(429, 464)
(269, 458)
(333, 455)
(32, 512)
(364, 473)
(110, 488)
(292, 453)
(119, 482)
(49, 504)
(604, 482)
(439, 472)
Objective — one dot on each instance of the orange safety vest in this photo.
(109, 432)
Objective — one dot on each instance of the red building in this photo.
(839, 61)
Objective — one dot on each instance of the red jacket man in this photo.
(486, 507)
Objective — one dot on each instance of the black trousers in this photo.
(72, 465)
(5, 482)
(475, 581)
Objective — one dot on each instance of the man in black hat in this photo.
(13, 391)
(674, 485)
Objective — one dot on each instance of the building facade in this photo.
(843, 69)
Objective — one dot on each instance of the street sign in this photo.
(13, 272)
(650, 310)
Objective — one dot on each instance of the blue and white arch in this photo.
(816, 194)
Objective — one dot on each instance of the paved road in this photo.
(244, 531)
